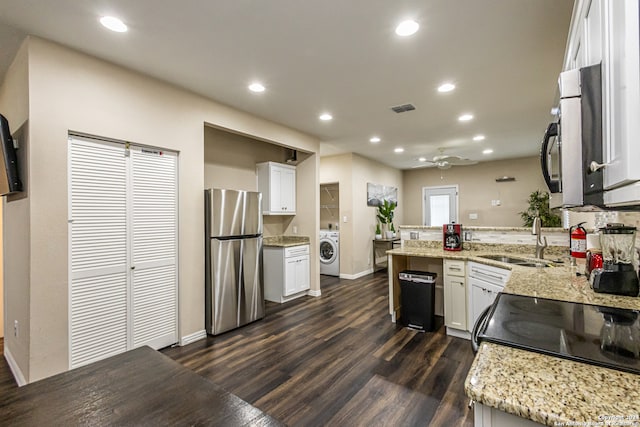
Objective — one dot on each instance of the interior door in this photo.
(122, 249)
(440, 205)
(98, 271)
(154, 247)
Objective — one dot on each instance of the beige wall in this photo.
(230, 162)
(69, 91)
(477, 187)
(14, 104)
(352, 172)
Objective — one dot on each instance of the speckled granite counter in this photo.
(285, 241)
(545, 389)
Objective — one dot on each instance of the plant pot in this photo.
(378, 236)
(388, 234)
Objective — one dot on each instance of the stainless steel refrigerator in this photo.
(234, 289)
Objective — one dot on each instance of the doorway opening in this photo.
(439, 205)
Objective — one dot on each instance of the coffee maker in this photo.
(618, 274)
(452, 237)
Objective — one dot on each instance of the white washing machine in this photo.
(330, 252)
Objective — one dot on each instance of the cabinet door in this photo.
(592, 33)
(482, 296)
(302, 274)
(288, 190)
(275, 189)
(290, 265)
(622, 93)
(455, 307)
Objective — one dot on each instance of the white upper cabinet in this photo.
(277, 183)
(621, 76)
(608, 31)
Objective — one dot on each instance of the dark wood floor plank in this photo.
(332, 360)
(338, 360)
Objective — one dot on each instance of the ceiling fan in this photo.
(443, 161)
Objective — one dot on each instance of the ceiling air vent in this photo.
(403, 108)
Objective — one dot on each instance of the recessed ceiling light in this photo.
(374, 139)
(256, 87)
(478, 138)
(114, 24)
(422, 159)
(487, 151)
(446, 87)
(325, 117)
(399, 150)
(407, 28)
(465, 117)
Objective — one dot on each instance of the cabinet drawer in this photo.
(296, 251)
(454, 267)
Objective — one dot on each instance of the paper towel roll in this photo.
(593, 241)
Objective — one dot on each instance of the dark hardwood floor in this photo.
(335, 360)
(338, 360)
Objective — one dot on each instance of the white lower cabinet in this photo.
(486, 416)
(286, 272)
(455, 295)
(485, 283)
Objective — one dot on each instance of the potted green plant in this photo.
(385, 215)
(378, 231)
(539, 206)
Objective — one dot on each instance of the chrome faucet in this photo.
(541, 243)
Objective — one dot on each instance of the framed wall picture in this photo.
(376, 193)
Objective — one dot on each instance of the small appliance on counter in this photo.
(618, 274)
(452, 237)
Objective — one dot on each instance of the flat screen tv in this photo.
(9, 179)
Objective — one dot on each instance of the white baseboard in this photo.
(357, 275)
(314, 293)
(458, 333)
(15, 369)
(196, 336)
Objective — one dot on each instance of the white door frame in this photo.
(440, 187)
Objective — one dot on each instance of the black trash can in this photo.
(418, 296)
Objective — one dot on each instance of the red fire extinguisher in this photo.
(578, 241)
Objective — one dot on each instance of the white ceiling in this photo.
(337, 56)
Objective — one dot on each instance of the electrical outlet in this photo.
(295, 229)
(15, 328)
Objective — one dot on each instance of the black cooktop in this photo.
(594, 334)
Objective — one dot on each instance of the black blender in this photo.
(618, 274)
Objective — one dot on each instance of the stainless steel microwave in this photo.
(572, 146)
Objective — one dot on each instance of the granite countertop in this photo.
(479, 228)
(546, 389)
(285, 241)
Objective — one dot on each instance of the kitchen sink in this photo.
(516, 261)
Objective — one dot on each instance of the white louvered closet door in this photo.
(154, 247)
(98, 325)
(123, 249)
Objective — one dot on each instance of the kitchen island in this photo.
(537, 387)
